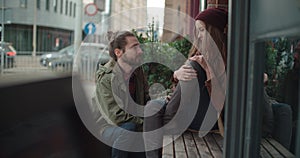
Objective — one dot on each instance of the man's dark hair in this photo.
(117, 40)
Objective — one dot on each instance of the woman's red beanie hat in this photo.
(216, 17)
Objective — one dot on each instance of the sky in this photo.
(158, 14)
(156, 3)
(87, 1)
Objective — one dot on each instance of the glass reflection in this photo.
(281, 90)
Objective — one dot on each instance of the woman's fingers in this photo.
(186, 67)
(186, 73)
(200, 59)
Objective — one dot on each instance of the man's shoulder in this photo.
(105, 71)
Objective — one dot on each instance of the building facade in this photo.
(54, 21)
(116, 15)
(182, 11)
(128, 14)
(178, 22)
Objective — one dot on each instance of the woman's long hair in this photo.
(220, 38)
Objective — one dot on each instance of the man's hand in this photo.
(265, 78)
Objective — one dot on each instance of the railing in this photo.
(31, 64)
(22, 62)
(87, 68)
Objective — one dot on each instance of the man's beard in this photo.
(133, 63)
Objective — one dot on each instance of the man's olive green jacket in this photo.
(113, 98)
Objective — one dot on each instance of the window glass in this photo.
(55, 5)
(23, 3)
(47, 5)
(282, 87)
(38, 4)
(71, 9)
(74, 10)
(66, 7)
(61, 6)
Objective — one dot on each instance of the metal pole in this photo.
(2, 38)
(2, 22)
(78, 25)
(34, 29)
(241, 136)
(298, 125)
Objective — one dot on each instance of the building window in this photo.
(55, 5)
(47, 5)
(23, 3)
(61, 6)
(71, 5)
(74, 10)
(38, 4)
(66, 7)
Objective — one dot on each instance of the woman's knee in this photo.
(155, 107)
(282, 108)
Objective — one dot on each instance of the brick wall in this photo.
(217, 3)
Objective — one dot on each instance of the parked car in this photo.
(89, 54)
(9, 54)
(53, 59)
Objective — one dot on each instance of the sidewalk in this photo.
(17, 75)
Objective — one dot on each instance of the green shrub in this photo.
(162, 59)
(279, 60)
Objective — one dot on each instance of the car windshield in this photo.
(69, 50)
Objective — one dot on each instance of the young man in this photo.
(120, 87)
